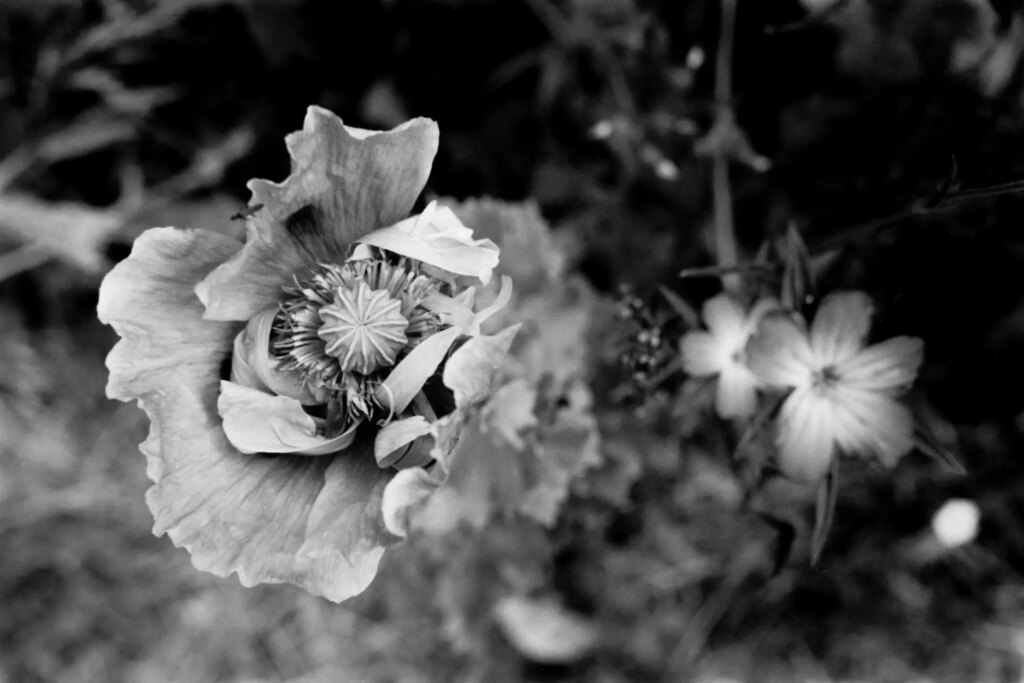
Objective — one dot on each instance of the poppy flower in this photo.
(721, 351)
(289, 377)
(844, 392)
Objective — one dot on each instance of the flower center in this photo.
(363, 328)
(825, 378)
(345, 325)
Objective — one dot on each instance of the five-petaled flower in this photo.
(721, 351)
(844, 394)
(289, 377)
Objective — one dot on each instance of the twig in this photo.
(815, 17)
(21, 259)
(951, 200)
(725, 119)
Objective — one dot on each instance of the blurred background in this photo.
(890, 133)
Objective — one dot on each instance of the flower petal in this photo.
(736, 394)
(458, 310)
(873, 424)
(725, 317)
(529, 254)
(805, 436)
(252, 366)
(438, 238)
(233, 512)
(778, 354)
(258, 422)
(149, 300)
(702, 354)
(840, 327)
(890, 366)
(408, 377)
(394, 436)
(403, 495)
(345, 535)
(471, 370)
(759, 310)
(344, 183)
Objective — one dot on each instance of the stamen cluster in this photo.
(346, 325)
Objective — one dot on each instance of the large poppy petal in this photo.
(345, 183)
(438, 238)
(314, 522)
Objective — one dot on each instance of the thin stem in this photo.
(726, 249)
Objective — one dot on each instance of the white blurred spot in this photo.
(956, 522)
(544, 631)
(602, 130)
(695, 57)
(666, 170)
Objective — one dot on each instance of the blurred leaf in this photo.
(825, 509)
(544, 631)
(681, 306)
(798, 286)
(74, 233)
(933, 435)
(785, 539)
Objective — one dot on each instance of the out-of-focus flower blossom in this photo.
(287, 378)
(956, 522)
(721, 351)
(844, 393)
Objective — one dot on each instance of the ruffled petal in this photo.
(840, 327)
(529, 254)
(252, 366)
(889, 367)
(345, 182)
(702, 354)
(407, 492)
(394, 437)
(258, 422)
(725, 317)
(471, 370)
(872, 424)
(458, 310)
(438, 238)
(345, 535)
(778, 354)
(805, 438)
(233, 512)
(736, 393)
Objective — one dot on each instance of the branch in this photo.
(725, 124)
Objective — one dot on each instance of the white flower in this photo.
(844, 393)
(721, 351)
